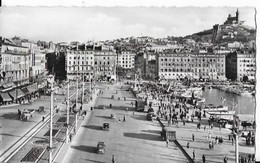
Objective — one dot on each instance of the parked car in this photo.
(106, 126)
(101, 147)
(150, 116)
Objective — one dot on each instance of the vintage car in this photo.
(151, 116)
(106, 126)
(113, 116)
(101, 147)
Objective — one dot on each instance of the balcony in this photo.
(15, 52)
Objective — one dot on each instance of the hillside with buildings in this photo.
(232, 30)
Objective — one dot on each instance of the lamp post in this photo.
(51, 81)
(68, 108)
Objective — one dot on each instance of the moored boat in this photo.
(212, 108)
(221, 112)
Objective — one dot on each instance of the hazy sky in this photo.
(102, 23)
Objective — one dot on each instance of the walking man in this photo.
(203, 158)
(193, 137)
(113, 159)
(188, 144)
(167, 142)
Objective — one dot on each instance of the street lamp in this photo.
(68, 108)
(50, 79)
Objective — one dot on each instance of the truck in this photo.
(168, 133)
(140, 105)
(27, 114)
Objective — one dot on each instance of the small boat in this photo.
(212, 108)
(222, 113)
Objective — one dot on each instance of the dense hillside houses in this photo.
(225, 52)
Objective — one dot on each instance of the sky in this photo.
(84, 24)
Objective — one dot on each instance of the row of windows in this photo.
(247, 65)
(82, 58)
(196, 74)
(192, 60)
(247, 74)
(83, 63)
(80, 68)
(251, 60)
(191, 70)
(191, 65)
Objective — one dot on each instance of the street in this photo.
(136, 140)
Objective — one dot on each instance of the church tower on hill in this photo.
(232, 20)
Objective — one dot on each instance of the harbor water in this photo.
(242, 104)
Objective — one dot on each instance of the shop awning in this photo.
(25, 90)
(7, 85)
(5, 96)
(32, 88)
(19, 93)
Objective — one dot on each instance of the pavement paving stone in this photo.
(136, 140)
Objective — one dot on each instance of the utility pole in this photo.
(68, 114)
(51, 81)
(83, 92)
(236, 148)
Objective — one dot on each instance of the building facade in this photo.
(79, 63)
(15, 65)
(173, 65)
(195, 65)
(126, 62)
(241, 66)
(209, 66)
(151, 70)
(105, 65)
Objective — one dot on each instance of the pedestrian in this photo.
(210, 145)
(203, 158)
(225, 159)
(188, 144)
(167, 142)
(124, 119)
(193, 137)
(209, 136)
(193, 153)
(70, 137)
(113, 159)
(43, 118)
(219, 127)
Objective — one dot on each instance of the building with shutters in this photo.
(79, 63)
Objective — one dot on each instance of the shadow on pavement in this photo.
(152, 131)
(6, 134)
(139, 117)
(85, 148)
(106, 117)
(13, 116)
(93, 127)
(143, 136)
(94, 161)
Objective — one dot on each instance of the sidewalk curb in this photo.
(69, 144)
(11, 151)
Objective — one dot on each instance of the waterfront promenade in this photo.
(136, 140)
